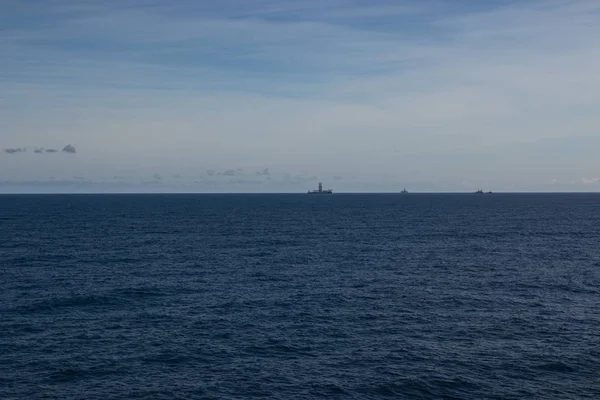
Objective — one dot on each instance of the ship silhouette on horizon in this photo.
(320, 190)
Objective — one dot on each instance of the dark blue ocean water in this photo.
(300, 297)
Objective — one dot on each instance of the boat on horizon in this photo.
(404, 191)
(320, 190)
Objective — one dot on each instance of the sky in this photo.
(276, 95)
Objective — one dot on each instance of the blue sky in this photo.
(365, 95)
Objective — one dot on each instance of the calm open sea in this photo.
(345, 296)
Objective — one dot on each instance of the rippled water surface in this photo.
(299, 297)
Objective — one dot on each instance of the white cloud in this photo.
(590, 181)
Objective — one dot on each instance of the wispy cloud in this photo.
(227, 172)
(39, 150)
(12, 150)
(264, 172)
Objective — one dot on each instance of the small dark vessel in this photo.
(320, 190)
(404, 191)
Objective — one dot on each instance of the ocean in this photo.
(344, 296)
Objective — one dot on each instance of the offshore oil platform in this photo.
(320, 190)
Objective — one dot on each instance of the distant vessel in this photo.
(320, 190)
(481, 192)
(404, 191)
